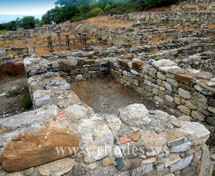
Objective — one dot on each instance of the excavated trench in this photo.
(106, 95)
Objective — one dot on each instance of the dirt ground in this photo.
(109, 21)
(10, 105)
(106, 95)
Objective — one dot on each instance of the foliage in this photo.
(13, 93)
(28, 22)
(158, 58)
(179, 57)
(107, 8)
(26, 102)
(158, 3)
(3, 31)
(96, 11)
(75, 10)
(24, 93)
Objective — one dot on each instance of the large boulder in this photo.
(33, 148)
(135, 115)
(95, 138)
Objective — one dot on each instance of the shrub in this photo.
(26, 102)
(107, 8)
(130, 10)
(3, 31)
(13, 93)
(157, 3)
(96, 11)
(158, 58)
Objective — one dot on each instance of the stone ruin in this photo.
(64, 136)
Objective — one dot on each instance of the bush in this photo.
(130, 10)
(96, 11)
(3, 31)
(26, 102)
(13, 93)
(114, 11)
(107, 8)
(158, 58)
(157, 3)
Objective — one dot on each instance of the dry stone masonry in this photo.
(137, 141)
(167, 57)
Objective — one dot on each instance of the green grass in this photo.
(158, 58)
(179, 57)
(14, 93)
(3, 31)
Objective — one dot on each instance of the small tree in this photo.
(27, 22)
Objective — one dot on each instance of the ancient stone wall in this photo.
(136, 142)
(181, 39)
(188, 92)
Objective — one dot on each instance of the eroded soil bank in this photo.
(106, 95)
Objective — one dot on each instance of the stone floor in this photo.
(106, 95)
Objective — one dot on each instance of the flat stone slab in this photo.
(183, 163)
(36, 147)
(195, 132)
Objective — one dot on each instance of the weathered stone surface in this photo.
(211, 102)
(78, 77)
(170, 159)
(174, 137)
(167, 86)
(183, 163)
(57, 168)
(176, 142)
(161, 76)
(123, 63)
(108, 161)
(32, 119)
(29, 171)
(142, 170)
(153, 143)
(41, 97)
(113, 122)
(37, 147)
(95, 140)
(183, 93)
(211, 109)
(190, 105)
(206, 165)
(72, 116)
(198, 115)
(105, 171)
(77, 171)
(195, 132)
(149, 161)
(14, 174)
(137, 65)
(199, 100)
(181, 148)
(135, 115)
(163, 63)
(183, 78)
(184, 109)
